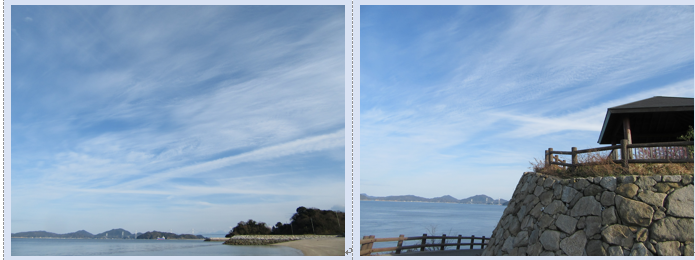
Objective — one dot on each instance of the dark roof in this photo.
(656, 119)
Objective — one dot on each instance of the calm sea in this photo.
(139, 247)
(391, 219)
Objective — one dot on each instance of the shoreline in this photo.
(326, 246)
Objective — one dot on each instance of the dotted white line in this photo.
(352, 122)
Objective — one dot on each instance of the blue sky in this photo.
(175, 118)
(457, 100)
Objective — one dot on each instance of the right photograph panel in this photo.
(526, 130)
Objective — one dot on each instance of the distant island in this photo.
(477, 199)
(117, 233)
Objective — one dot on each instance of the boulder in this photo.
(546, 197)
(608, 216)
(568, 194)
(586, 206)
(545, 221)
(574, 244)
(595, 248)
(662, 187)
(615, 251)
(634, 212)
(609, 183)
(555, 207)
(672, 229)
(652, 198)
(608, 198)
(645, 182)
(581, 184)
(593, 225)
(566, 223)
(638, 249)
(550, 240)
(671, 178)
(618, 235)
(680, 202)
(688, 248)
(521, 239)
(592, 190)
(508, 245)
(642, 235)
(627, 190)
(534, 249)
(538, 191)
(668, 248)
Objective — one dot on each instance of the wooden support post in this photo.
(400, 244)
(443, 241)
(549, 157)
(482, 246)
(424, 242)
(623, 152)
(472, 241)
(458, 246)
(575, 161)
(370, 245)
(364, 246)
(627, 132)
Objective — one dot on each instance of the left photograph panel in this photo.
(177, 131)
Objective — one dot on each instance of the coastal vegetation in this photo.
(304, 221)
(157, 234)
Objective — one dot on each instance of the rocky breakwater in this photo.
(597, 216)
(249, 240)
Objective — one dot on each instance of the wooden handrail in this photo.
(367, 243)
(624, 151)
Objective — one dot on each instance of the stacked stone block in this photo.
(597, 216)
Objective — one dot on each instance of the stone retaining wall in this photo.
(615, 216)
(268, 239)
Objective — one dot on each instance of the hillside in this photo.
(477, 199)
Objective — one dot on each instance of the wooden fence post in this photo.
(472, 241)
(624, 153)
(548, 156)
(424, 242)
(482, 246)
(371, 244)
(364, 246)
(459, 243)
(400, 244)
(575, 161)
(443, 241)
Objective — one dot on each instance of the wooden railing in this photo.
(626, 154)
(367, 243)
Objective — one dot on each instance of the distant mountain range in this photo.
(477, 199)
(117, 233)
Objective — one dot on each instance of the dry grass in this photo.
(600, 164)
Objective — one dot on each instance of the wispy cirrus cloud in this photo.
(151, 102)
(476, 92)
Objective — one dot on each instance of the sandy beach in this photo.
(332, 246)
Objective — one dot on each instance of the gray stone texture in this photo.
(634, 212)
(546, 197)
(545, 221)
(550, 240)
(671, 178)
(574, 244)
(680, 202)
(593, 226)
(568, 194)
(688, 247)
(615, 251)
(580, 184)
(618, 235)
(608, 216)
(534, 249)
(642, 235)
(638, 249)
(557, 191)
(672, 229)
(609, 183)
(662, 187)
(547, 253)
(555, 207)
(592, 190)
(586, 206)
(548, 182)
(645, 182)
(538, 190)
(566, 223)
(627, 190)
(595, 248)
(626, 179)
(652, 198)
(668, 248)
(608, 198)
(536, 211)
(521, 239)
